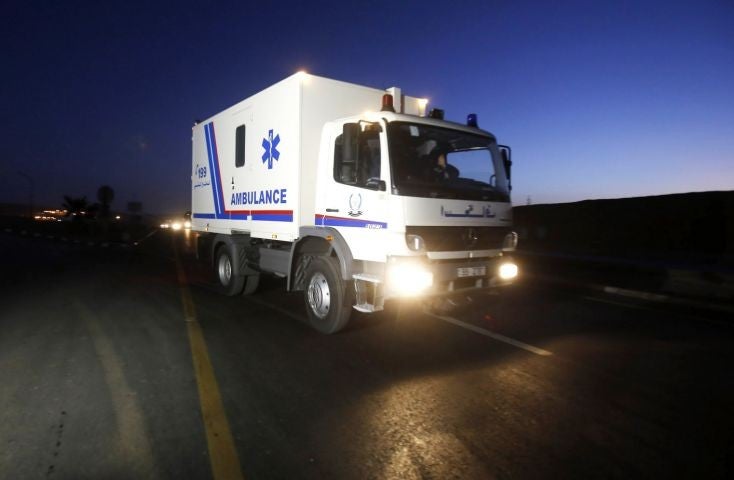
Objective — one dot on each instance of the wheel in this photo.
(229, 283)
(328, 298)
(251, 283)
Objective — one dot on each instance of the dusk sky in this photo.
(597, 99)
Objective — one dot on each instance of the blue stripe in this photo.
(212, 171)
(348, 222)
(273, 218)
(231, 216)
(218, 178)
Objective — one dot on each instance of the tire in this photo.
(251, 283)
(229, 283)
(328, 298)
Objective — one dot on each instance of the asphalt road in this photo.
(114, 364)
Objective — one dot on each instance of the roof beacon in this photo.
(387, 103)
(436, 113)
(471, 120)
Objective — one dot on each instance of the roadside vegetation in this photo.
(77, 218)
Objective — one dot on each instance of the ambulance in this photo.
(355, 195)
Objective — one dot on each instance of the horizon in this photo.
(23, 207)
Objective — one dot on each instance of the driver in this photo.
(441, 169)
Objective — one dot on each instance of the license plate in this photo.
(471, 271)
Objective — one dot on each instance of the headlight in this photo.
(187, 224)
(176, 226)
(409, 278)
(508, 271)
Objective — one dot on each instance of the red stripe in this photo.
(272, 212)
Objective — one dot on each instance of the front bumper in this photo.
(462, 275)
(420, 277)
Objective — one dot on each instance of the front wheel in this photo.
(328, 298)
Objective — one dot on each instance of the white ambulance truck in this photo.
(353, 194)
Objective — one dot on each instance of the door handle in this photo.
(332, 210)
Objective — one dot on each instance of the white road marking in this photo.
(495, 336)
(459, 323)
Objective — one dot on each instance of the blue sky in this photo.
(597, 99)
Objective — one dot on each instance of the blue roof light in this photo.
(471, 120)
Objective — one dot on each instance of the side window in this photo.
(239, 150)
(365, 166)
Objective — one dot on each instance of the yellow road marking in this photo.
(222, 453)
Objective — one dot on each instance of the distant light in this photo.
(187, 224)
(176, 225)
(117, 217)
(165, 225)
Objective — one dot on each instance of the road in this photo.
(98, 348)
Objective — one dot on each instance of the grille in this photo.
(448, 239)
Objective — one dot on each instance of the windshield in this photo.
(428, 161)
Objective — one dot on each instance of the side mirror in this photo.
(507, 162)
(376, 184)
(350, 146)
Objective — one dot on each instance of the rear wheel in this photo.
(229, 283)
(328, 298)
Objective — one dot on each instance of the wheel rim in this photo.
(319, 295)
(224, 268)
